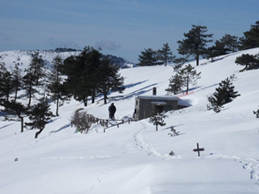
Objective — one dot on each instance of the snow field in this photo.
(134, 158)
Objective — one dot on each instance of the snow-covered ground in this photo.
(134, 158)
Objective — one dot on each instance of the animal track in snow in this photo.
(250, 164)
(253, 166)
(102, 176)
(143, 146)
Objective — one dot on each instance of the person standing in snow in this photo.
(112, 110)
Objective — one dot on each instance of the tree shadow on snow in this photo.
(5, 126)
(60, 129)
(138, 92)
(204, 88)
(194, 88)
(219, 58)
(134, 84)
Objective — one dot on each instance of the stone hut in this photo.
(146, 106)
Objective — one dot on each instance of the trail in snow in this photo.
(142, 145)
(100, 177)
(250, 164)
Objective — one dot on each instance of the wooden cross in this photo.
(198, 149)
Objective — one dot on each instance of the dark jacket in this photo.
(112, 109)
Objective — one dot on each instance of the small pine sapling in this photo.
(158, 119)
(224, 94)
(256, 113)
(233, 77)
(174, 132)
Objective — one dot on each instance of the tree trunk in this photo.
(21, 124)
(197, 60)
(156, 127)
(93, 96)
(30, 96)
(57, 107)
(93, 99)
(37, 133)
(15, 95)
(187, 85)
(29, 103)
(244, 68)
(7, 96)
(105, 97)
(85, 101)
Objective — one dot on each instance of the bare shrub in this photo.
(82, 121)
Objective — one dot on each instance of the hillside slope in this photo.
(134, 158)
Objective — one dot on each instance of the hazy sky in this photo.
(120, 27)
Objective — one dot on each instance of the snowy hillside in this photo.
(134, 158)
(22, 57)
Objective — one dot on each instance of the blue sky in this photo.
(120, 27)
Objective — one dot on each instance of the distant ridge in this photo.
(22, 57)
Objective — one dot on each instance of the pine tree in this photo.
(158, 119)
(229, 42)
(109, 78)
(16, 108)
(189, 75)
(95, 58)
(216, 50)
(90, 74)
(82, 72)
(6, 86)
(16, 80)
(39, 115)
(29, 81)
(37, 66)
(195, 42)
(249, 61)
(55, 80)
(71, 69)
(148, 57)
(183, 77)
(224, 94)
(32, 76)
(176, 83)
(165, 54)
(251, 37)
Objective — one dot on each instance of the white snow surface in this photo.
(134, 158)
